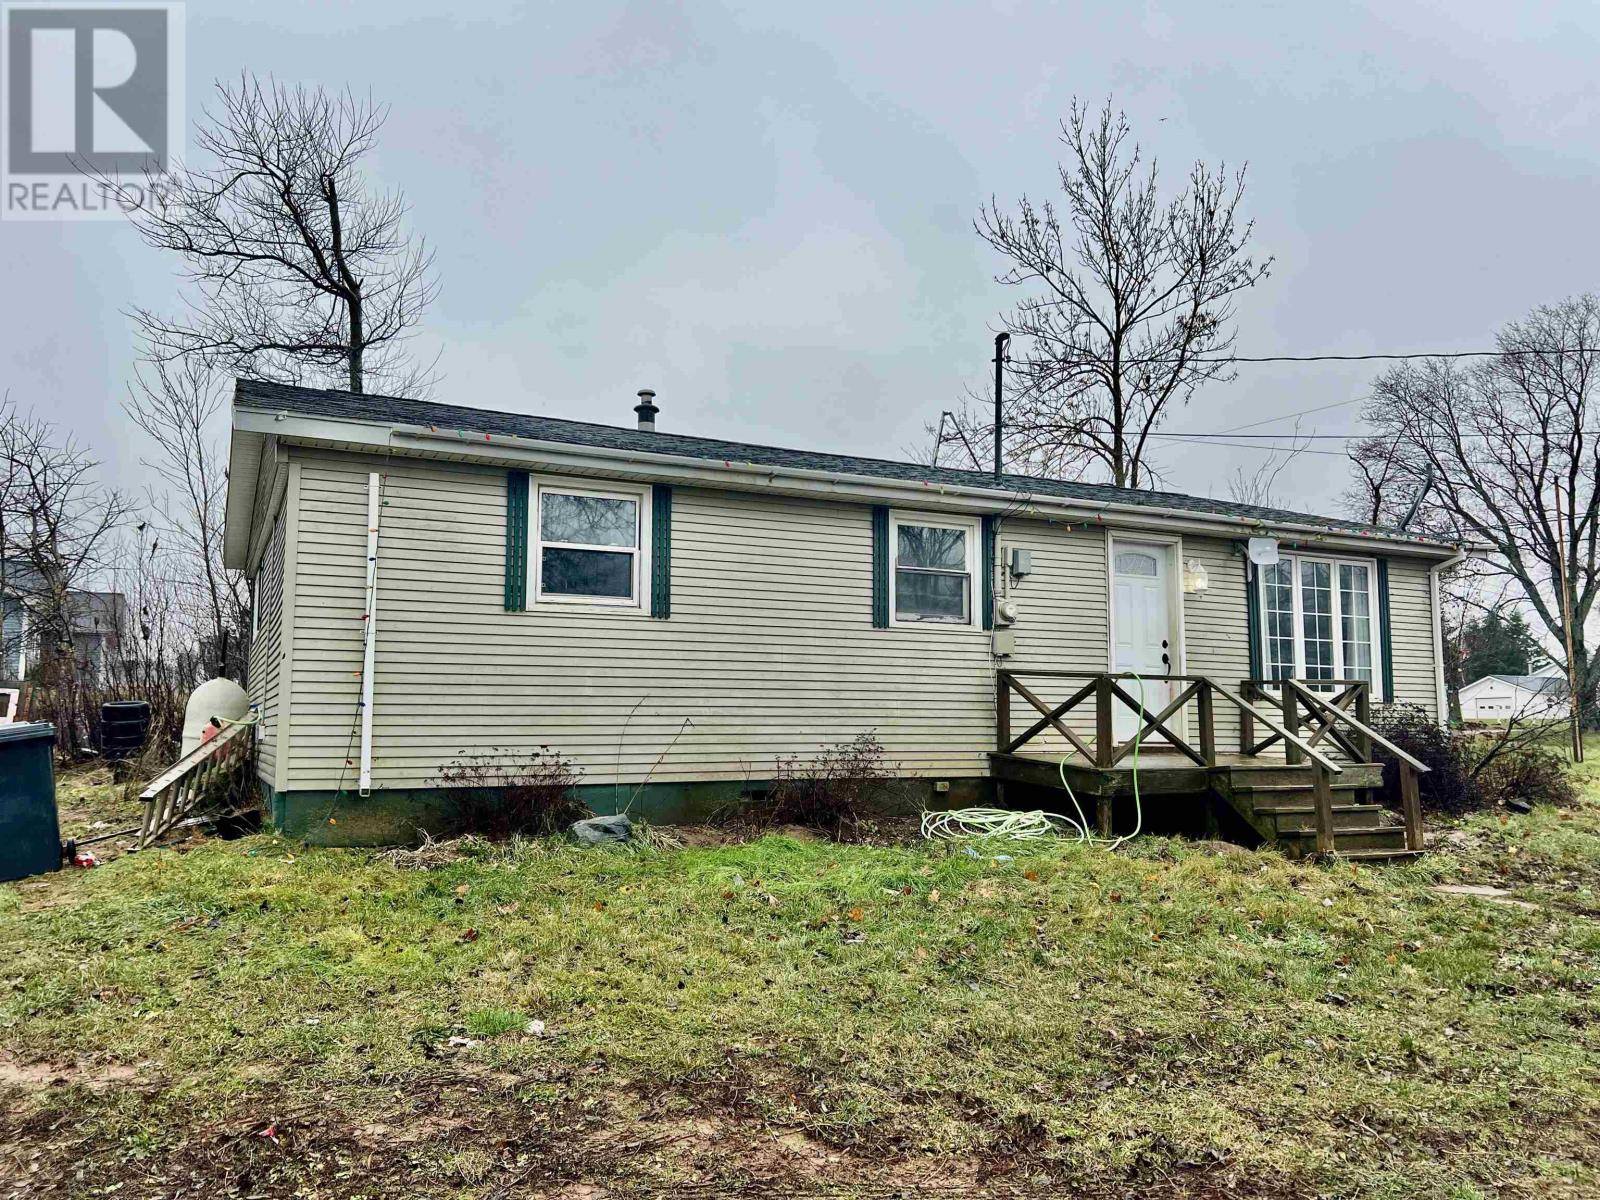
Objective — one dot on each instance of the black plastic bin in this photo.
(30, 836)
(124, 726)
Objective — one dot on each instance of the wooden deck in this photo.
(1308, 783)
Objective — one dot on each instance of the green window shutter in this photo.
(880, 567)
(516, 541)
(661, 551)
(1252, 610)
(991, 524)
(1386, 641)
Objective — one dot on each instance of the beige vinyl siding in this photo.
(266, 651)
(1216, 625)
(1064, 619)
(1411, 634)
(769, 649)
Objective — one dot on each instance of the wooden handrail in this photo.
(1339, 714)
(1306, 748)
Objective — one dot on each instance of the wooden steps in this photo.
(1278, 803)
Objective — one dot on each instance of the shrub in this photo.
(1530, 773)
(504, 792)
(834, 791)
(1466, 773)
(1447, 785)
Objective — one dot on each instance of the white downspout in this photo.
(370, 633)
(1441, 692)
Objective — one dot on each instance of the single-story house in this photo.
(1502, 697)
(675, 613)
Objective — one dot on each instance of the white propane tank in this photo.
(214, 698)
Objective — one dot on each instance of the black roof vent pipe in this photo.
(647, 410)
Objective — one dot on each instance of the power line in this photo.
(1396, 357)
(1304, 412)
(1180, 437)
(1357, 437)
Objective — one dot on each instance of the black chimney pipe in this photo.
(647, 410)
(1000, 342)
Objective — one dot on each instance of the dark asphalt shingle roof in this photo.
(392, 410)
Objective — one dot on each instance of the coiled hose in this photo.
(959, 823)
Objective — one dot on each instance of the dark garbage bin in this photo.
(30, 837)
(124, 726)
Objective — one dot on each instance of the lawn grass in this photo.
(258, 1017)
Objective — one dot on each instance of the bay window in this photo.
(1319, 618)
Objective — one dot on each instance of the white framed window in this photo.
(933, 570)
(587, 544)
(13, 638)
(1319, 618)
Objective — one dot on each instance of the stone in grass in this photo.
(596, 830)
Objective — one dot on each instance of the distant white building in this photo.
(1501, 697)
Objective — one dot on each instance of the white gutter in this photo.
(1441, 692)
(370, 633)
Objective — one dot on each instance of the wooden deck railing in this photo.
(1311, 728)
(1346, 703)
(1109, 694)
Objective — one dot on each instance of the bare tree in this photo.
(1482, 452)
(1129, 304)
(303, 269)
(56, 524)
(176, 405)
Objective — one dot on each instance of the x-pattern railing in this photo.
(1310, 726)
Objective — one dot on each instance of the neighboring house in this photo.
(674, 613)
(1502, 697)
(96, 618)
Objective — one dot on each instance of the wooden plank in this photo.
(1157, 724)
(1052, 717)
(1292, 753)
(1104, 738)
(1314, 701)
(1002, 710)
(1411, 806)
(1208, 723)
(1322, 791)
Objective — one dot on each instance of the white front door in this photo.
(1144, 638)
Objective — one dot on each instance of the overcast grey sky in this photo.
(764, 211)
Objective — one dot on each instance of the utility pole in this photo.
(1001, 340)
(1573, 706)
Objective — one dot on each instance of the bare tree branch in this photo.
(1128, 304)
(302, 270)
(1484, 448)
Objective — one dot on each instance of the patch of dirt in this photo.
(466, 1136)
(96, 1077)
(1483, 891)
(701, 837)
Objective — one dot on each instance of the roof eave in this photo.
(506, 449)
